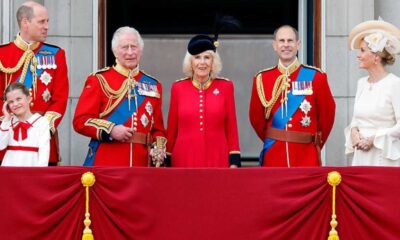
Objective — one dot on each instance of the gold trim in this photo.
(290, 69)
(334, 179)
(202, 86)
(234, 152)
(100, 71)
(281, 86)
(88, 179)
(111, 94)
(125, 71)
(182, 79)
(100, 124)
(313, 67)
(51, 117)
(23, 45)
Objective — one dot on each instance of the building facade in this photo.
(74, 25)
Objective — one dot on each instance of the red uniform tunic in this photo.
(321, 114)
(202, 128)
(51, 94)
(91, 117)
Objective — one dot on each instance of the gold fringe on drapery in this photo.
(88, 179)
(334, 179)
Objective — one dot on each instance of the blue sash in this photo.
(294, 101)
(50, 51)
(120, 115)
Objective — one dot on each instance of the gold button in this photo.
(290, 125)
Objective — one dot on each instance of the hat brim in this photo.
(363, 29)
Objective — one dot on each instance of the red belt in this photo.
(23, 148)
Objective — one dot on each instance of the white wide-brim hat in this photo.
(359, 32)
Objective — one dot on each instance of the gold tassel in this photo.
(334, 179)
(88, 179)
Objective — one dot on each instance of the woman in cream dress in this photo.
(373, 137)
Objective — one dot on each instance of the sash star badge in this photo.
(144, 120)
(46, 95)
(306, 121)
(149, 108)
(305, 106)
(45, 77)
(216, 92)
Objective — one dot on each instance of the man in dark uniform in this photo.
(291, 108)
(39, 66)
(120, 109)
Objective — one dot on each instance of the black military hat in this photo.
(201, 43)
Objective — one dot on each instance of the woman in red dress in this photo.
(202, 128)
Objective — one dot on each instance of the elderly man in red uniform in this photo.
(120, 109)
(39, 66)
(291, 108)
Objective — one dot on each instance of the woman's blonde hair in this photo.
(387, 58)
(215, 68)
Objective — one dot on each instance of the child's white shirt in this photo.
(22, 152)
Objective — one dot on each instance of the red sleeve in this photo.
(257, 112)
(326, 107)
(158, 129)
(60, 91)
(89, 108)
(172, 125)
(231, 129)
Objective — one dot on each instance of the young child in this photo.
(25, 136)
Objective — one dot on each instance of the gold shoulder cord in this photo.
(27, 57)
(112, 94)
(280, 85)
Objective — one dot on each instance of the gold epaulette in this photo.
(313, 67)
(149, 76)
(223, 78)
(100, 71)
(182, 79)
(266, 69)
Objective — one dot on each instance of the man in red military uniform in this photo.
(39, 66)
(291, 108)
(120, 109)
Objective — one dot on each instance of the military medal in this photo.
(148, 90)
(305, 121)
(144, 120)
(216, 92)
(45, 77)
(53, 63)
(149, 108)
(305, 106)
(302, 88)
(46, 95)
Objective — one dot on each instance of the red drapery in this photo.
(149, 203)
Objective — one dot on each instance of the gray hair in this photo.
(123, 30)
(215, 68)
(24, 11)
(287, 26)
